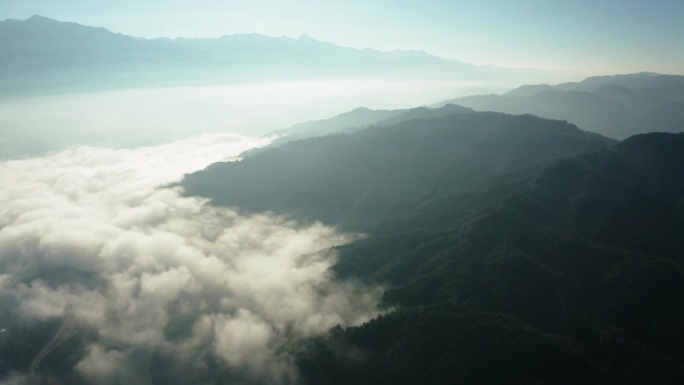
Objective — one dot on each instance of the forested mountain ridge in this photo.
(362, 117)
(573, 276)
(380, 172)
(504, 262)
(616, 106)
(357, 120)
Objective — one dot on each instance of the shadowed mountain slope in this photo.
(514, 249)
(382, 171)
(571, 274)
(616, 106)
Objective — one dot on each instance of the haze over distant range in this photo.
(64, 83)
(45, 55)
(309, 61)
(587, 37)
(149, 235)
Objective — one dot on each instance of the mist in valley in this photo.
(101, 251)
(277, 198)
(92, 235)
(137, 117)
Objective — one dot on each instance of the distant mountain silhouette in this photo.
(616, 106)
(356, 120)
(256, 49)
(46, 54)
(40, 53)
(350, 121)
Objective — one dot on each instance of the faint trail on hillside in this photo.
(62, 335)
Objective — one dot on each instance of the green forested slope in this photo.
(513, 249)
(384, 171)
(573, 277)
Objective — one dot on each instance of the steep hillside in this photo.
(572, 276)
(383, 171)
(513, 249)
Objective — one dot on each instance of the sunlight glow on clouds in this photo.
(147, 273)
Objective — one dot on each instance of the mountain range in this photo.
(617, 106)
(514, 249)
(613, 106)
(510, 248)
(378, 172)
(44, 54)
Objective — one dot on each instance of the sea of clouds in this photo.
(160, 285)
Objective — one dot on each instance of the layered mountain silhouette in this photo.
(602, 104)
(355, 120)
(616, 106)
(514, 249)
(41, 53)
(44, 54)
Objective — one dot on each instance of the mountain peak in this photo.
(41, 19)
(305, 37)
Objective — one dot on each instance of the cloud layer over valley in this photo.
(36, 125)
(159, 285)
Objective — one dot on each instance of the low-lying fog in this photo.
(157, 284)
(129, 118)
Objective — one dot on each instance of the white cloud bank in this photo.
(91, 233)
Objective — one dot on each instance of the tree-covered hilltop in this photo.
(352, 121)
(385, 171)
(514, 249)
(356, 120)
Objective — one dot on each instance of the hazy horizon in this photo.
(582, 36)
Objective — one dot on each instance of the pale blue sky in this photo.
(588, 36)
